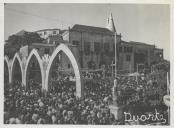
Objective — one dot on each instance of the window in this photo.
(127, 49)
(47, 51)
(106, 47)
(45, 33)
(130, 49)
(69, 65)
(74, 42)
(120, 49)
(54, 32)
(87, 48)
(128, 58)
(97, 47)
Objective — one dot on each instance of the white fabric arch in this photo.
(20, 63)
(36, 54)
(67, 51)
(8, 65)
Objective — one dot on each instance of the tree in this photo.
(15, 42)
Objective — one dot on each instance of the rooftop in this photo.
(47, 30)
(92, 29)
(141, 43)
(137, 43)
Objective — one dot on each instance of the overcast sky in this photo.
(144, 23)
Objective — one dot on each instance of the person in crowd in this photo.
(61, 106)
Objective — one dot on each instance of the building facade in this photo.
(134, 56)
(44, 33)
(95, 46)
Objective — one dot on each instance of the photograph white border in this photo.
(170, 2)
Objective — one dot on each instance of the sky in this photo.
(148, 23)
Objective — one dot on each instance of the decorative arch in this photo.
(8, 65)
(36, 54)
(67, 51)
(20, 63)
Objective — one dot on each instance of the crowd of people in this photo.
(57, 106)
(60, 105)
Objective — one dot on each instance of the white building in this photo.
(45, 33)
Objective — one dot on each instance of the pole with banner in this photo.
(112, 69)
(115, 81)
(115, 108)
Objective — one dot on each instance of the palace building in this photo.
(95, 46)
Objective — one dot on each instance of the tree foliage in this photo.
(162, 65)
(15, 42)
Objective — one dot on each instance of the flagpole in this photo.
(115, 80)
(115, 54)
(112, 68)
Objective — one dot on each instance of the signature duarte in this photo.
(157, 117)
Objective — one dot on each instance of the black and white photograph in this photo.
(86, 64)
